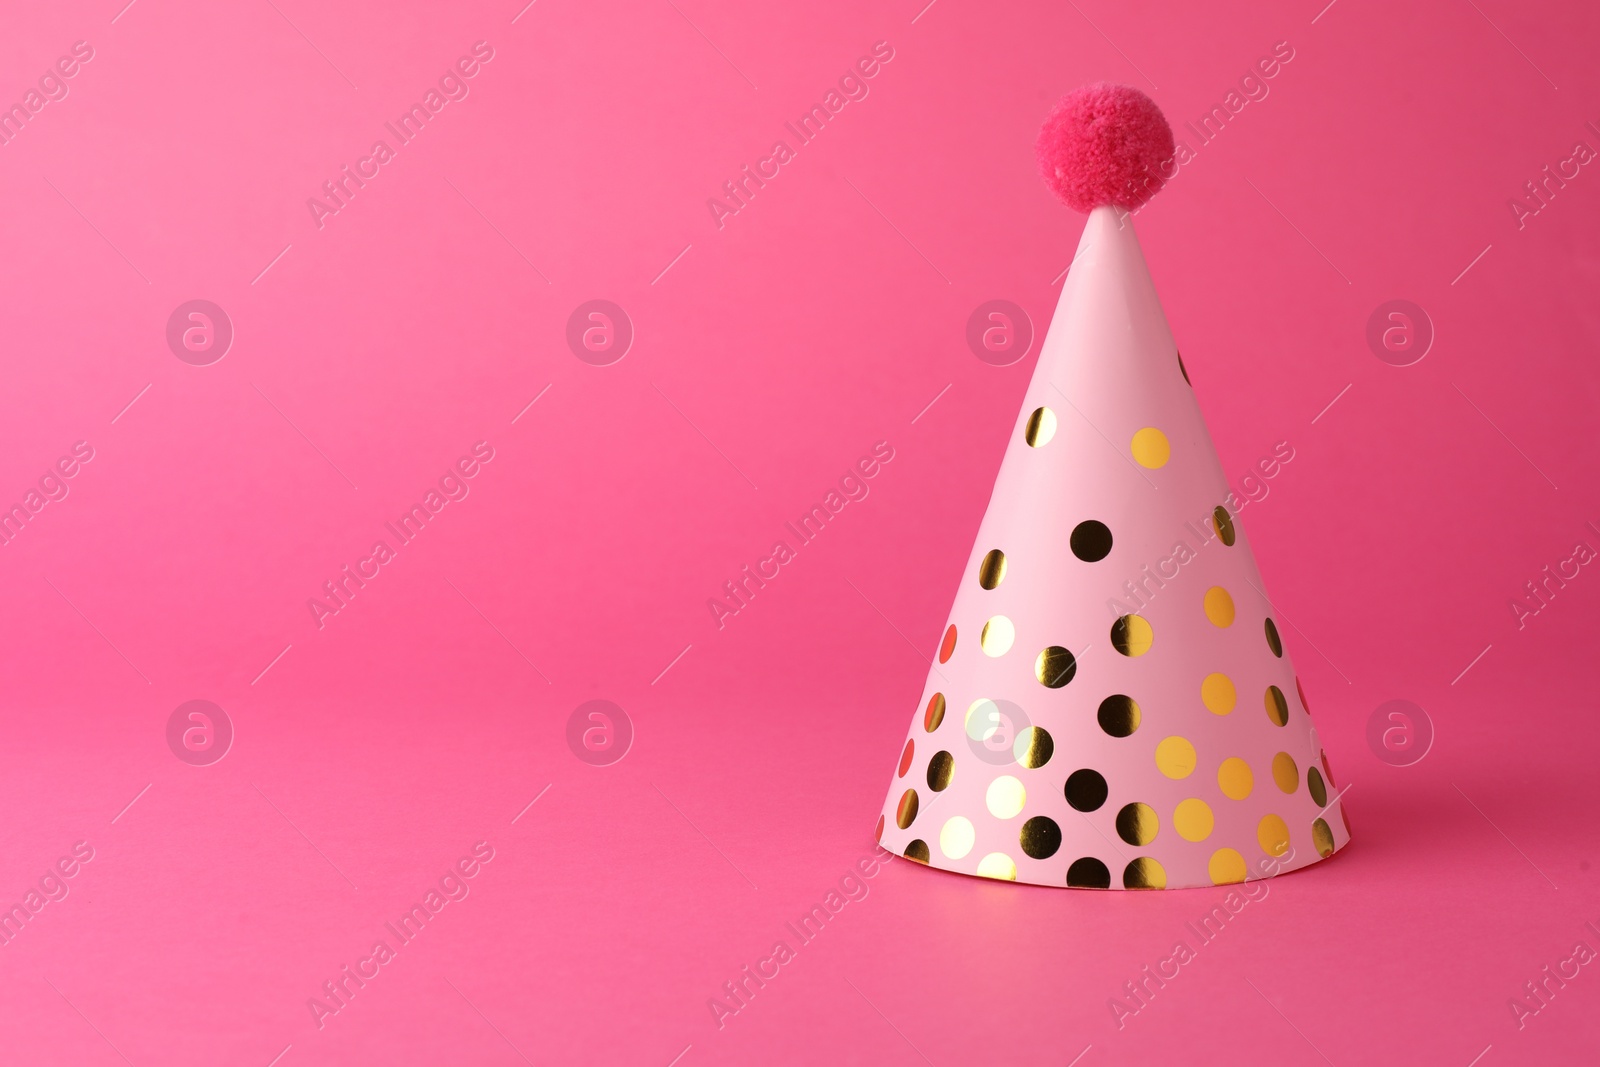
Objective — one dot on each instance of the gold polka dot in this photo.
(1040, 837)
(1175, 757)
(992, 571)
(998, 865)
(1034, 747)
(941, 769)
(1119, 715)
(1137, 824)
(1086, 789)
(1285, 773)
(1273, 834)
(1226, 867)
(985, 720)
(1055, 667)
(1184, 370)
(1277, 706)
(1222, 522)
(1091, 540)
(1234, 778)
(1274, 642)
(1317, 787)
(947, 647)
(1132, 636)
(934, 715)
(956, 837)
(1087, 872)
(917, 851)
(1193, 819)
(1322, 837)
(905, 757)
(1144, 873)
(1005, 797)
(1218, 694)
(1041, 427)
(1151, 448)
(998, 636)
(1219, 606)
(907, 809)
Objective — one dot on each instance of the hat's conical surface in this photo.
(1112, 705)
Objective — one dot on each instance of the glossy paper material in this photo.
(1219, 709)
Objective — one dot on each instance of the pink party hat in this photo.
(1112, 704)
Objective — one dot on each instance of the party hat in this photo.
(1112, 704)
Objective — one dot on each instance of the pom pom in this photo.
(1105, 144)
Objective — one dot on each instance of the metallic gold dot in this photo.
(1285, 773)
(948, 645)
(1131, 635)
(998, 865)
(1322, 837)
(1088, 873)
(1219, 606)
(956, 837)
(1193, 819)
(1235, 778)
(877, 835)
(1316, 786)
(907, 809)
(1274, 642)
(1277, 706)
(1040, 837)
(1005, 797)
(992, 571)
(905, 759)
(1298, 688)
(1222, 522)
(1041, 427)
(1151, 448)
(934, 715)
(1226, 867)
(1119, 715)
(941, 768)
(1273, 835)
(1086, 790)
(1091, 540)
(1144, 873)
(1055, 667)
(1185, 371)
(1033, 747)
(986, 724)
(984, 719)
(1137, 824)
(1175, 757)
(917, 851)
(997, 636)
(1218, 694)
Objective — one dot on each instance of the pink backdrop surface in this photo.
(376, 747)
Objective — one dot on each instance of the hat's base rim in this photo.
(1139, 875)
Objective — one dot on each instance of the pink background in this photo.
(371, 754)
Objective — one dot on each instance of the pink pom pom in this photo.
(1105, 144)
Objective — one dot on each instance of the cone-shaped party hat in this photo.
(1112, 704)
